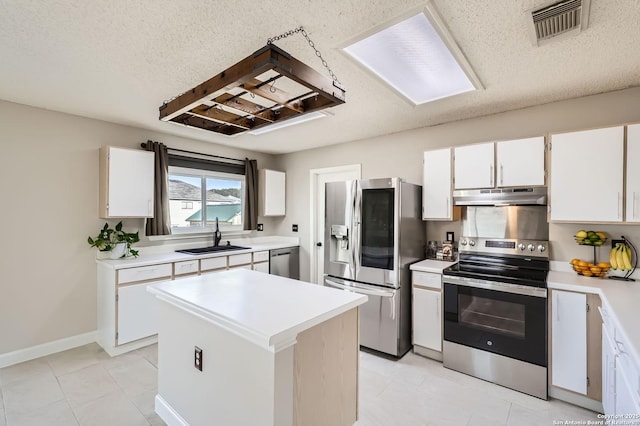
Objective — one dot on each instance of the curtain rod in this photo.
(144, 145)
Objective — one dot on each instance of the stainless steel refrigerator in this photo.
(373, 232)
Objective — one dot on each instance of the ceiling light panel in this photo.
(412, 57)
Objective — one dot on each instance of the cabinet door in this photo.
(625, 398)
(271, 194)
(474, 166)
(427, 321)
(261, 267)
(436, 185)
(608, 373)
(569, 341)
(633, 174)
(520, 162)
(137, 316)
(586, 175)
(129, 183)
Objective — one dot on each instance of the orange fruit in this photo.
(583, 263)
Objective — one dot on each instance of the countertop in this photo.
(266, 309)
(256, 244)
(621, 298)
(429, 265)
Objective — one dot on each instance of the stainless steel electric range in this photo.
(495, 298)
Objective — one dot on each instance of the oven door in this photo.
(506, 319)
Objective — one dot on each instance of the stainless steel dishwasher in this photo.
(285, 262)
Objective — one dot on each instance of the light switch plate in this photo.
(294, 228)
(197, 358)
(260, 227)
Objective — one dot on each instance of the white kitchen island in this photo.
(275, 351)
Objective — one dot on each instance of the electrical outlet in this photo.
(294, 228)
(260, 227)
(197, 358)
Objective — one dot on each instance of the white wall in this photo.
(400, 155)
(49, 185)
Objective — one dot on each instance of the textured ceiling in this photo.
(119, 60)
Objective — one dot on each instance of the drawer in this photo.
(213, 263)
(427, 279)
(186, 267)
(260, 256)
(144, 273)
(240, 259)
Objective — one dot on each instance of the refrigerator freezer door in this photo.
(379, 317)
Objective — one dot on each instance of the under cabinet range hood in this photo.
(501, 196)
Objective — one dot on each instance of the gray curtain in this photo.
(251, 194)
(160, 223)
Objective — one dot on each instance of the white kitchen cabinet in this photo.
(609, 356)
(126, 182)
(520, 162)
(587, 175)
(437, 203)
(569, 341)
(633, 174)
(474, 166)
(427, 330)
(427, 313)
(261, 267)
(271, 193)
(137, 316)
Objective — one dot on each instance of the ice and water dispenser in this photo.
(340, 250)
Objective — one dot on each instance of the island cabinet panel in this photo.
(325, 363)
(126, 182)
(583, 164)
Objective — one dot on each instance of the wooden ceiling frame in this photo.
(202, 106)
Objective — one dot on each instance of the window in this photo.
(197, 197)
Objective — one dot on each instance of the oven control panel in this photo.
(534, 248)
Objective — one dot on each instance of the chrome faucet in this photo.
(217, 235)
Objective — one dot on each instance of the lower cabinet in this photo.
(127, 317)
(620, 373)
(427, 314)
(576, 343)
(137, 316)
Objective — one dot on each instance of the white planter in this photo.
(118, 251)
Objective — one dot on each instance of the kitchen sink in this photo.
(212, 249)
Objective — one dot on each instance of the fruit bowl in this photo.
(590, 238)
(588, 269)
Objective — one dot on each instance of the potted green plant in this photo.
(116, 241)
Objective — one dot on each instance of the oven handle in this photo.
(497, 286)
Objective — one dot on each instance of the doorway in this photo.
(318, 177)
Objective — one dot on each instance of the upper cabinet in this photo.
(436, 185)
(474, 166)
(633, 173)
(587, 175)
(126, 182)
(518, 162)
(271, 193)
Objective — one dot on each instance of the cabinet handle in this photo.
(448, 208)
(557, 307)
(491, 175)
(619, 205)
(501, 174)
(149, 209)
(437, 307)
(633, 208)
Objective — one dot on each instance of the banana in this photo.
(620, 258)
(612, 258)
(626, 257)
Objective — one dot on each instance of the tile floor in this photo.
(84, 386)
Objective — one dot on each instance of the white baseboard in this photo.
(27, 354)
(168, 414)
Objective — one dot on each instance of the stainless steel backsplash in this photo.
(513, 222)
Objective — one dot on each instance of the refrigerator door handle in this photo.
(355, 289)
(357, 230)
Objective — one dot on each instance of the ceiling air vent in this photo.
(565, 17)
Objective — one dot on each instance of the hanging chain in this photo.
(311, 43)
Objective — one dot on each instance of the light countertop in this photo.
(429, 265)
(153, 258)
(266, 309)
(621, 298)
